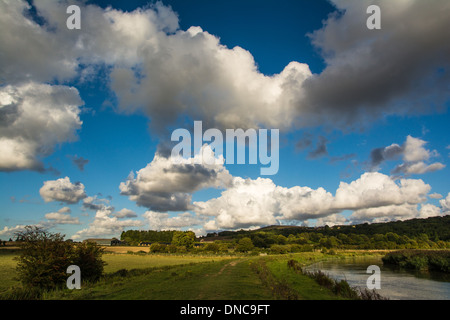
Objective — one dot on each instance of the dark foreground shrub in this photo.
(88, 256)
(45, 258)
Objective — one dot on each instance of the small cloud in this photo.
(435, 196)
(80, 162)
(94, 203)
(413, 154)
(417, 168)
(125, 213)
(343, 157)
(62, 216)
(305, 142)
(321, 149)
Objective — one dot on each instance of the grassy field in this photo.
(137, 261)
(7, 269)
(191, 277)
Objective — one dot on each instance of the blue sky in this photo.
(363, 114)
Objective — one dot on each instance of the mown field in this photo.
(131, 276)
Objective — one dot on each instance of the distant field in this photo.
(126, 249)
(134, 261)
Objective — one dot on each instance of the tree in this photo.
(185, 239)
(244, 245)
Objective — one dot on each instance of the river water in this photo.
(395, 284)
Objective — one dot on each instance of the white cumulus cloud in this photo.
(34, 118)
(62, 190)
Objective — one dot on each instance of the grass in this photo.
(197, 281)
(190, 277)
(7, 269)
(305, 287)
(139, 261)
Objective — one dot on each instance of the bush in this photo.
(212, 247)
(46, 256)
(88, 256)
(280, 249)
(157, 248)
(44, 259)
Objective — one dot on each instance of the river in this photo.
(395, 284)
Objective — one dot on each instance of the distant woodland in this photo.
(431, 233)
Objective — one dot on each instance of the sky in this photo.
(87, 115)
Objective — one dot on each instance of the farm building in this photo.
(117, 242)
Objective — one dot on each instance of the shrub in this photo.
(171, 248)
(212, 247)
(279, 249)
(157, 248)
(45, 258)
(88, 256)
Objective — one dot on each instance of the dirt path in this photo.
(231, 264)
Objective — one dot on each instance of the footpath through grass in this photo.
(221, 280)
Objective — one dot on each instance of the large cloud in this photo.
(155, 67)
(247, 203)
(166, 184)
(33, 119)
(62, 190)
(206, 80)
(402, 68)
(250, 202)
(376, 189)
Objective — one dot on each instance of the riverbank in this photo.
(424, 260)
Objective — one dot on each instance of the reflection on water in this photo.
(395, 284)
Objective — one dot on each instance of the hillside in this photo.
(434, 227)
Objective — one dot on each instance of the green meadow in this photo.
(144, 276)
